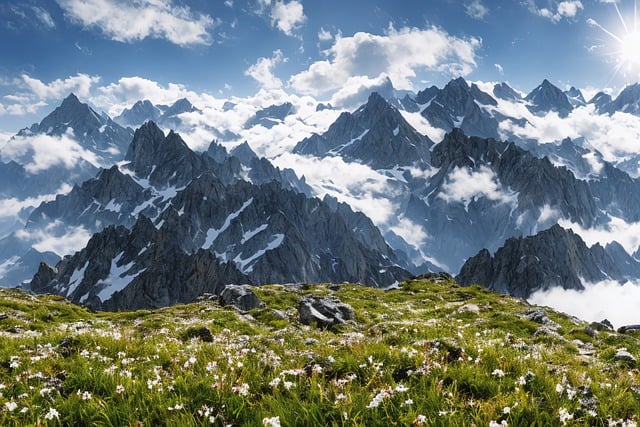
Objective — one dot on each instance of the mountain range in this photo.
(150, 222)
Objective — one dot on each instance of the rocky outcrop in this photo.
(240, 296)
(552, 258)
(324, 312)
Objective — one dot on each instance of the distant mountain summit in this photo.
(139, 113)
(376, 135)
(504, 91)
(546, 98)
(575, 97)
(163, 115)
(552, 258)
(459, 105)
(95, 132)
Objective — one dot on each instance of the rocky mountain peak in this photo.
(147, 139)
(555, 257)
(506, 92)
(244, 153)
(139, 113)
(182, 105)
(546, 98)
(375, 134)
(575, 97)
(628, 101)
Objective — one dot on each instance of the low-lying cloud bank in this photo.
(598, 301)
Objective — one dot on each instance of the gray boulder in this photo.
(239, 296)
(323, 311)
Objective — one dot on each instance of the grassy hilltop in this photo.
(430, 353)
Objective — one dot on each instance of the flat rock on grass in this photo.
(240, 296)
(323, 311)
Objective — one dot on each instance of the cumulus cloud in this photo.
(262, 71)
(476, 9)
(56, 238)
(324, 35)
(11, 207)
(614, 136)
(398, 54)
(38, 153)
(128, 22)
(464, 185)
(557, 10)
(625, 233)
(287, 17)
(598, 301)
(81, 84)
(363, 188)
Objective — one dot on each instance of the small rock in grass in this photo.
(622, 355)
(240, 296)
(324, 312)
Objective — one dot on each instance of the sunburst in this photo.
(626, 41)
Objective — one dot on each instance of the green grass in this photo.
(430, 353)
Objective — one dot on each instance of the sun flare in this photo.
(630, 49)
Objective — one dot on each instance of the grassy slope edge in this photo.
(429, 353)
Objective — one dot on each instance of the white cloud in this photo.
(228, 3)
(605, 300)
(44, 17)
(500, 69)
(287, 17)
(411, 233)
(56, 238)
(128, 22)
(463, 185)
(557, 11)
(615, 136)
(476, 9)
(358, 185)
(262, 71)
(324, 35)
(569, 9)
(625, 233)
(398, 54)
(37, 153)
(11, 207)
(81, 84)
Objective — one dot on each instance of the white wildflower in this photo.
(119, 389)
(401, 388)
(52, 414)
(564, 416)
(498, 373)
(420, 419)
(271, 422)
(242, 389)
(11, 406)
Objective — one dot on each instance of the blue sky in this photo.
(104, 49)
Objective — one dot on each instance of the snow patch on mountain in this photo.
(117, 280)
